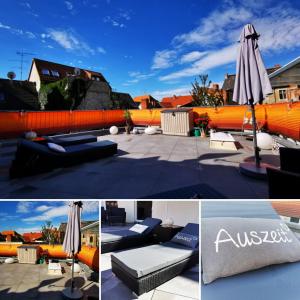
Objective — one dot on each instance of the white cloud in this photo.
(69, 5)
(183, 90)
(214, 29)
(42, 208)
(113, 22)
(213, 59)
(101, 50)
(192, 56)
(24, 207)
(163, 59)
(62, 210)
(18, 31)
(218, 34)
(69, 41)
(137, 77)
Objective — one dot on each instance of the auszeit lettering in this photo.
(253, 237)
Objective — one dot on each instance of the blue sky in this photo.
(155, 47)
(29, 216)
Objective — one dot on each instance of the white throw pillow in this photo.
(139, 228)
(57, 148)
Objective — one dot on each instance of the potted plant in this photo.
(202, 122)
(128, 122)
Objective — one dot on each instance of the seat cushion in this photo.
(157, 257)
(118, 235)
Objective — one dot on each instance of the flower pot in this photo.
(197, 132)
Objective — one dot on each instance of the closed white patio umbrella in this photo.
(251, 86)
(72, 245)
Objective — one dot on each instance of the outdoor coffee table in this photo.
(54, 269)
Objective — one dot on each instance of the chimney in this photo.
(277, 66)
(215, 86)
(226, 76)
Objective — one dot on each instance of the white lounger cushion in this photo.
(139, 228)
(143, 261)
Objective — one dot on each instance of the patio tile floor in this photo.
(26, 281)
(145, 165)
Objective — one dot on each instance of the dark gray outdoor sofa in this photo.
(284, 183)
(143, 269)
(124, 239)
(35, 157)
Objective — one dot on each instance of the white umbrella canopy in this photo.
(72, 239)
(251, 86)
(252, 82)
(72, 244)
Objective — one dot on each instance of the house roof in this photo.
(285, 67)
(228, 83)
(63, 226)
(9, 232)
(287, 208)
(91, 225)
(143, 97)
(175, 101)
(32, 236)
(19, 95)
(63, 71)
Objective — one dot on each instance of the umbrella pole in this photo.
(72, 281)
(256, 149)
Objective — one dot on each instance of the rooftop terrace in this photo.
(157, 166)
(26, 281)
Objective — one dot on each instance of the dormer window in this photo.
(46, 72)
(55, 73)
(96, 78)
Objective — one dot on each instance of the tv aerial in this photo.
(22, 54)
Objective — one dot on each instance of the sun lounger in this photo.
(72, 140)
(124, 239)
(143, 269)
(283, 184)
(33, 158)
(290, 159)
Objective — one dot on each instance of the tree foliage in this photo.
(203, 95)
(64, 94)
(50, 234)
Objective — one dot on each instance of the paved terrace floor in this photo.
(183, 287)
(157, 166)
(25, 281)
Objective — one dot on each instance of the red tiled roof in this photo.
(287, 208)
(32, 236)
(9, 232)
(176, 101)
(140, 98)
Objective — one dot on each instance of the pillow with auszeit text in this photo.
(234, 245)
(186, 239)
(139, 228)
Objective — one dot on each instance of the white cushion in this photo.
(9, 260)
(57, 148)
(139, 228)
(150, 130)
(113, 130)
(221, 136)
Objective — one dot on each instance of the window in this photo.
(95, 78)
(46, 72)
(294, 220)
(282, 94)
(2, 97)
(54, 73)
(91, 239)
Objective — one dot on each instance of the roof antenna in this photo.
(22, 54)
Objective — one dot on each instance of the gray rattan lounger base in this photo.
(150, 281)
